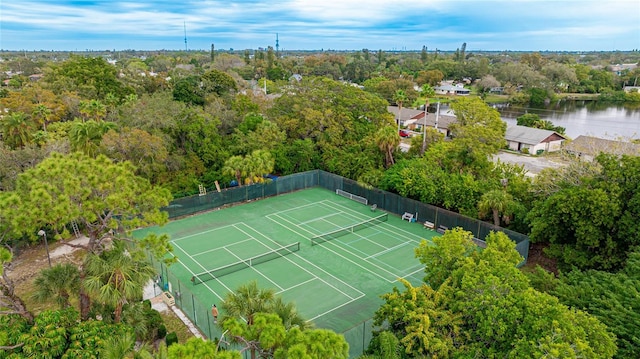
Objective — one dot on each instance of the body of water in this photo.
(589, 118)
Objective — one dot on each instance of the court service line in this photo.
(251, 266)
(387, 250)
(199, 233)
(194, 274)
(299, 207)
(223, 247)
(286, 220)
(384, 226)
(350, 260)
(310, 263)
(318, 218)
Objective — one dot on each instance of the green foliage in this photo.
(587, 216)
(57, 283)
(56, 334)
(172, 338)
(483, 306)
(90, 77)
(197, 348)
(339, 119)
(188, 90)
(114, 278)
(613, 298)
(218, 82)
(100, 195)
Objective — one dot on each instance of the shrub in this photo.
(171, 338)
(162, 332)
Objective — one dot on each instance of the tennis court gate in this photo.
(359, 336)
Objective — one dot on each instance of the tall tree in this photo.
(496, 201)
(86, 136)
(99, 195)
(116, 277)
(17, 129)
(387, 139)
(400, 98)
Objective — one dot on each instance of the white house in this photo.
(448, 89)
(533, 140)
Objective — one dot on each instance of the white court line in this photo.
(299, 207)
(288, 221)
(359, 257)
(199, 233)
(338, 254)
(252, 267)
(194, 274)
(223, 247)
(383, 226)
(361, 294)
(387, 250)
(318, 219)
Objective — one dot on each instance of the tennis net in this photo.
(245, 263)
(321, 238)
(352, 196)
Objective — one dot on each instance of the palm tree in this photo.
(116, 276)
(41, 113)
(258, 163)
(16, 129)
(289, 315)
(86, 136)
(400, 97)
(427, 91)
(93, 109)
(119, 346)
(246, 301)
(387, 140)
(235, 166)
(497, 201)
(57, 283)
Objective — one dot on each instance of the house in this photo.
(441, 122)
(629, 89)
(620, 68)
(448, 89)
(407, 114)
(587, 147)
(533, 140)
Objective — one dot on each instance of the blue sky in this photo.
(516, 25)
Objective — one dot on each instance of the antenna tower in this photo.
(185, 36)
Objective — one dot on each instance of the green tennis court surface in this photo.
(335, 279)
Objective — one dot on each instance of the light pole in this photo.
(42, 233)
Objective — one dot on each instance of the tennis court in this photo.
(331, 255)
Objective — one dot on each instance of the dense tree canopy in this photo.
(478, 304)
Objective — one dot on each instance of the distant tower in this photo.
(277, 45)
(185, 36)
(212, 53)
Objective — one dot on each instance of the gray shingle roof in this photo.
(594, 145)
(528, 135)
